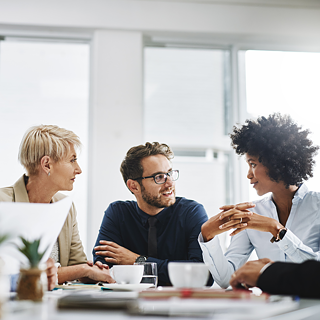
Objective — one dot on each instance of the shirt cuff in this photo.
(265, 267)
(213, 242)
(200, 238)
(289, 245)
(211, 246)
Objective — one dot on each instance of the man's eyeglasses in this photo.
(161, 178)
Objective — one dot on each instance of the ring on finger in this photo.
(229, 219)
(240, 220)
(244, 285)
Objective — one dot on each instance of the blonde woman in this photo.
(48, 153)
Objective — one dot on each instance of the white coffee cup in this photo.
(188, 274)
(127, 274)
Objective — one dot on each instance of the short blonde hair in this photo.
(45, 140)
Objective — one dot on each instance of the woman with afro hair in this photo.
(284, 225)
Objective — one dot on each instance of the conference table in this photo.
(101, 305)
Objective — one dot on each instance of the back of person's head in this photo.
(45, 140)
(131, 167)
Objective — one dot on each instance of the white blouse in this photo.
(300, 243)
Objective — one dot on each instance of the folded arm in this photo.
(280, 277)
(232, 217)
(113, 253)
(85, 273)
(291, 245)
(110, 249)
(292, 279)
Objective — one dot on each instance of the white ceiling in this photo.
(267, 3)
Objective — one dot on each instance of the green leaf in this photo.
(3, 238)
(31, 251)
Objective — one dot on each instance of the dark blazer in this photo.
(292, 279)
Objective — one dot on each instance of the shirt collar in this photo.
(300, 194)
(20, 190)
(161, 216)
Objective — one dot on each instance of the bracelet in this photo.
(265, 267)
(57, 265)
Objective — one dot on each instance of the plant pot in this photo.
(31, 284)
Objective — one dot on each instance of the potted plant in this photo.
(32, 280)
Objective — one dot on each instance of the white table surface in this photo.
(47, 310)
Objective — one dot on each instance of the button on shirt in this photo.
(178, 228)
(300, 243)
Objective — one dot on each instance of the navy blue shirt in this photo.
(178, 228)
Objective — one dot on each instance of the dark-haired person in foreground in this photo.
(126, 234)
(283, 226)
(302, 279)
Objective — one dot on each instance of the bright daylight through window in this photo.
(286, 82)
(187, 107)
(44, 83)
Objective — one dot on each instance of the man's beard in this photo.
(156, 201)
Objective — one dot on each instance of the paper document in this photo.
(98, 300)
(31, 221)
(215, 308)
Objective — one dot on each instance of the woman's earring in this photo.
(49, 174)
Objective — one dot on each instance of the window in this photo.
(43, 83)
(285, 82)
(187, 107)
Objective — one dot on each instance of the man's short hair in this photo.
(131, 167)
(45, 140)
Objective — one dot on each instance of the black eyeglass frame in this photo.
(168, 174)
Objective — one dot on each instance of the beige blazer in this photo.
(70, 245)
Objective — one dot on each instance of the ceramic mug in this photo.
(127, 274)
(188, 274)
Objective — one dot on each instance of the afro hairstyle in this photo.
(280, 145)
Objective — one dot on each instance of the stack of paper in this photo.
(206, 293)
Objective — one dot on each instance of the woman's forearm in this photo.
(72, 273)
(84, 272)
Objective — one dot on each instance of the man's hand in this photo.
(115, 254)
(247, 276)
(232, 217)
(51, 274)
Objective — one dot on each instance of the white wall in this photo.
(115, 117)
(226, 22)
(118, 30)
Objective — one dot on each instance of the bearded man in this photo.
(159, 227)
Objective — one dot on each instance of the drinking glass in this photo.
(150, 273)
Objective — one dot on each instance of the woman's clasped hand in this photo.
(232, 217)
